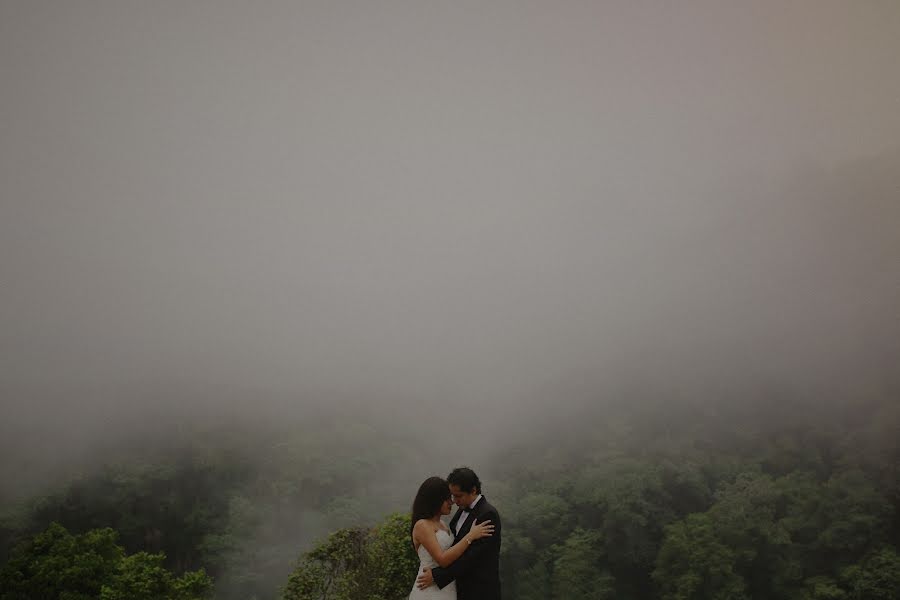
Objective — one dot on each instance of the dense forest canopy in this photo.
(651, 500)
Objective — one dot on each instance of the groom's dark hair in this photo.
(465, 478)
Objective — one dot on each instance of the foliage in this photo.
(357, 564)
(876, 578)
(57, 564)
(237, 504)
(576, 575)
(775, 513)
(694, 564)
(768, 502)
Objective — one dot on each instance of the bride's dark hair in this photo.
(431, 495)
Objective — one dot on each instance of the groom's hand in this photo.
(425, 579)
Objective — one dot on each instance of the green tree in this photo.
(823, 588)
(393, 558)
(331, 570)
(693, 564)
(535, 582)
(549, 517)
(142, 576)
(746, 518)
(357, 564)
(578, 573)
(58, 565)
(877, 578)
(854, 516)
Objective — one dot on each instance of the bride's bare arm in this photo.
(424, 533)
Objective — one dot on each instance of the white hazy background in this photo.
(443, 211)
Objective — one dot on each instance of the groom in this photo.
(477, 572)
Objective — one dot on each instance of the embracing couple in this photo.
(461, 562)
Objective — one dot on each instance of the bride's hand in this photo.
(480, 530)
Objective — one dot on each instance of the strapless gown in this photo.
(433, 592)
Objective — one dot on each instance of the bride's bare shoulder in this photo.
(423, 525)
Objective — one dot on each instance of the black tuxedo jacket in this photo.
(477, 571)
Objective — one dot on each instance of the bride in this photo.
(433, 541)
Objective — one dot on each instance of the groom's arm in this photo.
(473, 555)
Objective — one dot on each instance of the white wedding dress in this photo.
(433, 592)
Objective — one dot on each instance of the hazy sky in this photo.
(448, 204)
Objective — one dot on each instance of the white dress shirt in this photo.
(462, 519)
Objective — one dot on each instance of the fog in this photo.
(456, 217)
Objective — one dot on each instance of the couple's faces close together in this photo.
(462, 498)
(459, 497)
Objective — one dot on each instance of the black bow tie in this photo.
(466, 509)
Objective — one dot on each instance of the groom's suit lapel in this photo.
(453, 522)
(474, 514)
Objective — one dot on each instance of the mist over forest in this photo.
(266, 268)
